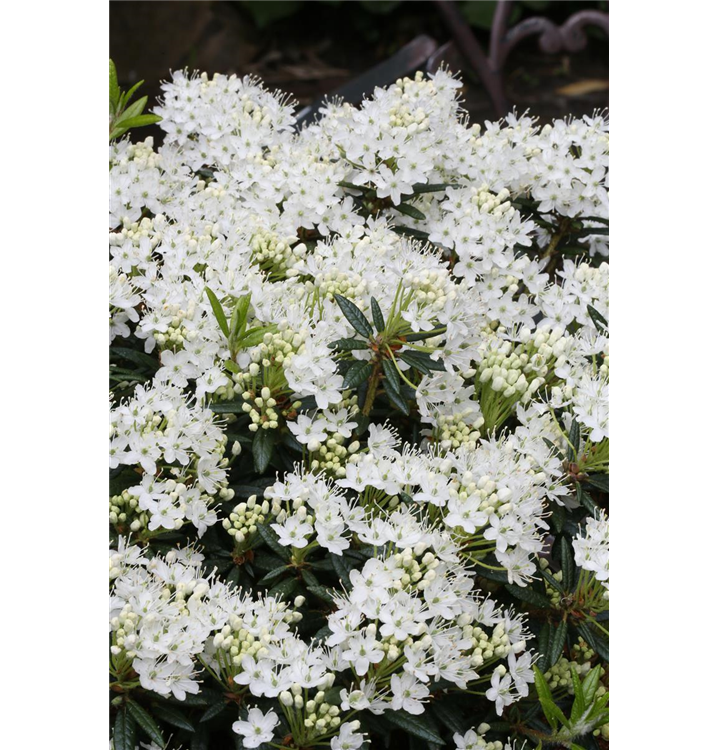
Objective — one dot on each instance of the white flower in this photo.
(258, 727)
(408, 693)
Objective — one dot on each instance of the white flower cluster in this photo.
(388, 254)
(165, 618)
(178, 448)
(590, 548)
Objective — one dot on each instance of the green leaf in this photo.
(140, 121)
(585, 499)
(214, 710)
(238, 323)
(322, 592)
(558, 641)
(526, 594)
(134, 110)
(391, 374)
(124, 101)
(357, 373)
(340, 568)
(347, 345)
(354, 315)
(272, 540)
(351, 186)
(125, 730)
(422, 361)
(377, 316)
(574, 440)
(114, 88)
(262, 447)
(146, 722)
(276, 573)
(411, 232)
(172, 716)
(590, 684)
(599, 481)
(579, 702)
(228, 407)
(254, 336)
(397, 399)
(416, 725)
(544, 644)
(139, 358)
(598, 320)
(567, 563)
(558, 517)
(551, 711)
(218, 311)
(409, 210)
(419, 188)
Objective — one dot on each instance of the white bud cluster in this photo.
(431, 287)
(321, 717)
(334, 281)
(452, 431)
(484, 647)
(243, 521)
(487, 202)
(276, 256)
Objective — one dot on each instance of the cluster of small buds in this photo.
(484, 646)
(261, 409)
(419, 567)
(404, 114)
(275, 255)
(483, 490)
(452, 431)
(126, 515)
(334, 281)
(553, 594)
(321, 717)
(237, 642)
(278, 348)
(332, 455)
(489, 203)
(142, 154)
(581, 652)
(431, 287)
(177, 333)
(243, 521)
(559, 675)
(149, 229)
(519, 370)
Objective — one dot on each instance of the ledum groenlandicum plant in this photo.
(359, 443)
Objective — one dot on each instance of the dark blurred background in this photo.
(312, 48)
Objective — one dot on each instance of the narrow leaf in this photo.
(173, 716)
(124, 731)
(347, 345)
(416, 725)
(377, 316)
(354, 315)
(218, 311)
(262, 447)
(391, 374)
(146, 722)
(409, 210)
(557, 643)
(357, 373)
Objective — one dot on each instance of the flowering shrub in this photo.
(359, 426)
